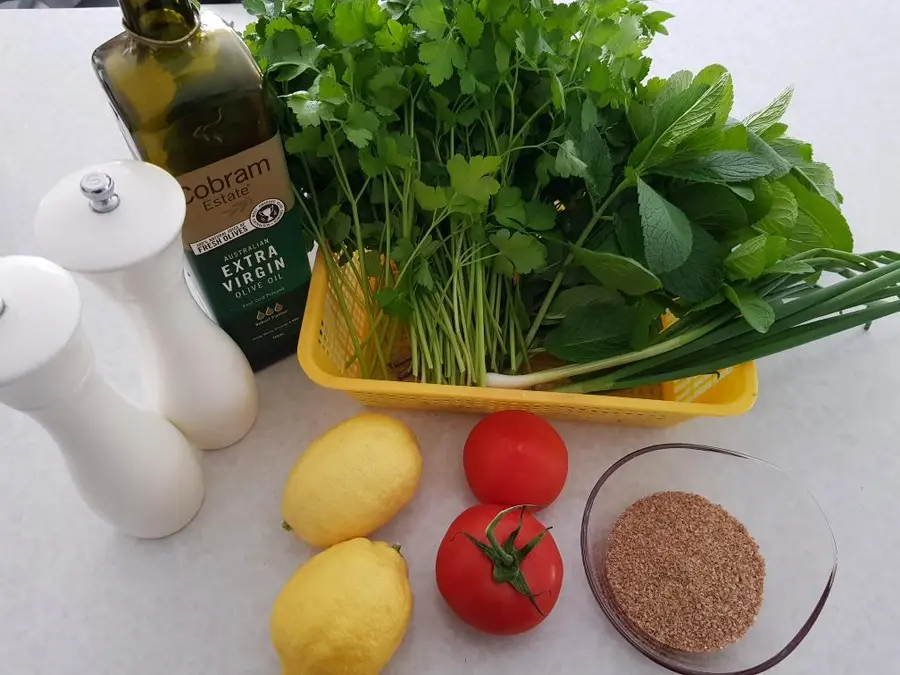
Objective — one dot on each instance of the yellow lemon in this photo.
(344, 612)
(351, 480)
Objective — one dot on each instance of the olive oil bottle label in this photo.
(244, 242)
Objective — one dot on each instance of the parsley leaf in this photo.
(509, 209)
(568, 163)
(440, 57)
(473, 179)
(392, 38)
(519, 253)
(430, 198)
(360, 125)
(429, 16)
(353, 20)
(470, 26)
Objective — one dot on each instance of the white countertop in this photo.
(77, 599)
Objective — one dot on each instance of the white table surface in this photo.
(77, 599)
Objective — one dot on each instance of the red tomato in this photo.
(467, 575)
(515, 457)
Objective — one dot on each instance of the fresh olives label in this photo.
(244, 243)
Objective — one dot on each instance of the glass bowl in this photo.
(793, 535)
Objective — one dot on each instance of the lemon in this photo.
(351, 480)
(344, 612)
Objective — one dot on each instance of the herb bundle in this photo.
(494, 182)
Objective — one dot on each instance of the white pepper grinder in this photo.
(131, 466)
(119, 224)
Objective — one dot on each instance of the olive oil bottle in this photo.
(190, 99)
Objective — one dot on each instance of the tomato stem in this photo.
(506, 558)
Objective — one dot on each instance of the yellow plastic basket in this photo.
(325, 346)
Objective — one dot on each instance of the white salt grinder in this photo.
(132, 467)
(119, 224)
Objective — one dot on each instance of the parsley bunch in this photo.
(493, 180)
(425, 138)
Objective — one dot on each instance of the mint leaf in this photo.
(709, 76)
(360, 125)
(782, 213)
(756, 145)
(519, 253)
(676, 84)
(429, 16)
(430, 198)
(617, 272)
(591, 333)
(470, 26)
(641, 119)
(667, 231)
(539, 216)
(774, 132)
(748, 260)
(568, 163)
(794, 151)
(819, 222)
(392, 37)
(686, 122)
(819, 178)
(439, 58)
(700, 277)
(714, 207)
(598, 172)
(582, 296)
(734, 138)
(745, 192)
(509, 209)
(791, 267)
(760, 121)
(756, 311)
(722, 166)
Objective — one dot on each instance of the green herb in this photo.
(491, 179)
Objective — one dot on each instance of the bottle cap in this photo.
(41, 312)
(110, 216)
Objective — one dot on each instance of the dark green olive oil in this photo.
(190, 99)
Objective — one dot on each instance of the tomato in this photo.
(483, 590)
(515, 457)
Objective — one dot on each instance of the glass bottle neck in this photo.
(159, 20)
